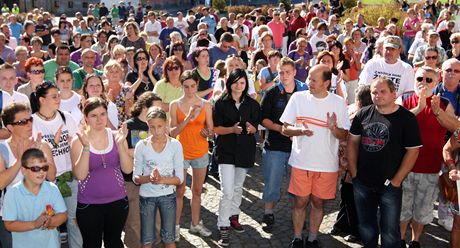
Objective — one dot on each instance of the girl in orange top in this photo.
(191, 122)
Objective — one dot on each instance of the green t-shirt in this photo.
(5, 10)
(79, 76)
(114, 12)
(51, 67)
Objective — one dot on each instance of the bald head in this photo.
(451, 73)
(323, 70)
(319, 80)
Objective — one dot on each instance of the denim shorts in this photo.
(275, 167)
(148, 208)
(197, 163)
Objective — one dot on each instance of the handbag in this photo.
(448, 188)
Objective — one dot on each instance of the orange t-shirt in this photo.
(193, 144)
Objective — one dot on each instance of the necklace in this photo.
(45, 117)
(104, 164)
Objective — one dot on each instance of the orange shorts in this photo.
(321, 184)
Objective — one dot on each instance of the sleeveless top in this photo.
(194, 145)
(104, 183)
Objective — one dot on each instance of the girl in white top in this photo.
(94, 87)
(70, 100)
(159, 168)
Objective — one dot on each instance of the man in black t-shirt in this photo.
(277, 147)
(44, 31)
(382, 148)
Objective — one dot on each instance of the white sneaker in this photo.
(446, 223)
(177, 238)
(200, 229)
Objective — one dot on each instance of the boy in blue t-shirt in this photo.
(33, 208)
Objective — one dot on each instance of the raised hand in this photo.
(422, 98)
(435, 103)
(155, 175)
(83, 137)
(331, 120)
(37, 142)
(57, 135)
(306, 130)
(122, 134)
(194, 111)
(250, 128)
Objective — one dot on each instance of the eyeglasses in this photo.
(431, 57)
(141, 58)
(175, 68)
(23, 122)
(37, 72)
(427, 79)
(449, 70)
(37, 168)
(454, 41)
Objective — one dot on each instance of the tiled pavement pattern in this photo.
(252, 212)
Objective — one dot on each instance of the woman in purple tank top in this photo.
(98, 156)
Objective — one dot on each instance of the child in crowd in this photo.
(159, 168)
(33, 208)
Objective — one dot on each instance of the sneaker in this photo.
(224, 236)
(403, 244)
(200, 229)
(236, 224)
(177, 237)
(312, 244)
(64, 236)
(414, 244)
(296, 243)
(267, 222)
(446, 223)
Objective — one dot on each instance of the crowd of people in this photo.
(103, 116)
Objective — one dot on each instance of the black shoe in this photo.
(403, 244)
(296, 243)
(236, 224)
(414, 244)
(267, 222)
(312, 244)
(351, 238)
(224, 236)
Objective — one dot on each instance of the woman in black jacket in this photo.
(236, 117)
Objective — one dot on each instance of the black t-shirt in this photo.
(384, 139)
(273, 105)
(47, 37)
(451, 55)
(143, 87)
(137, 131)
(221, 31)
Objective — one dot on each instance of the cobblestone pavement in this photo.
(251, 215)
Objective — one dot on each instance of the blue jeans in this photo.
(275, 166)
(75, 238)
(148, 208)
(368, 200)
(407, 42)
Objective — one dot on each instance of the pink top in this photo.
(408, 24)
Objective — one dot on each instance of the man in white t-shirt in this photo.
(181, 23)
(391, 67)
(317, 120)
(8, 81)
(152, 28)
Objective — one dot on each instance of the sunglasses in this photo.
(454, 41)
(175, 68)
(36, 72)
(431, 57)
(427, 79)
(37, 168)
(141, 58)
(23, 122)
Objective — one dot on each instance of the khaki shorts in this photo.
(320, 184)
(420, 191)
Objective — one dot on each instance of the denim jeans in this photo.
(275, 166)
(148, 210)
(231, 185)
(407, 42)
(75, 239)
(368, 200)
(6, 240)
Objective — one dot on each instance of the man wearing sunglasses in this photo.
(435, 115)
(222, 50)
(433, 40)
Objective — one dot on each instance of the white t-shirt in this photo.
(152, 27)
(61, 153)
(112, 113)
(182, 25)
(343, 87)
(10, 159)
(6, 99)
(318, 152)
(71, 105)
(317, 44)
(16, 97)
(400, 73)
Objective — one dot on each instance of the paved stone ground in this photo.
(251, 215)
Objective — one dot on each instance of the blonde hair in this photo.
(118, 48)
(112, 64)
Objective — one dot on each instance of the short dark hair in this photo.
(226, 37)
(146, 100)
(363, 95)
(390, 83)
(11, 110)
(31, 154)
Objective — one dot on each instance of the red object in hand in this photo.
(49, 210)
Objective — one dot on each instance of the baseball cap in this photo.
(432, 32)
(392, 41)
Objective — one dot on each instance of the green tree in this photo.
(219, 5)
